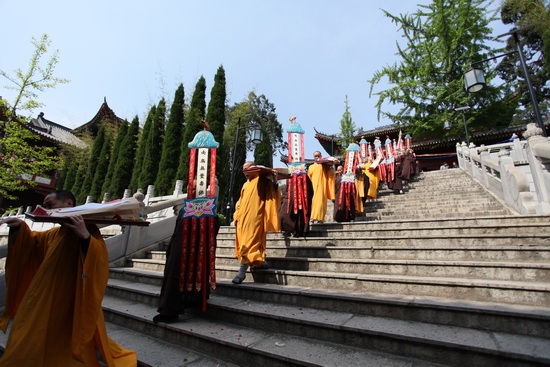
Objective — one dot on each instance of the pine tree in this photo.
(86, 188)
(142, 144)
(171, 147)
(215, 115)
(101, 169)
(154, 147)
(347, 126)
(124, 167)
(121, 134)
(192, 126)
(442, 39)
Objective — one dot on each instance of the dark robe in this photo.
(196, 272)
(297, 222)
(408, 167)
(344, 205)
(397, 182)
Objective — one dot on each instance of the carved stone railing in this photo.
(516, 172)
(123, 241)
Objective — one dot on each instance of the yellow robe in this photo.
(374, 181)
(323, 179)
(359, 192)
(255, 215)
(54, 295)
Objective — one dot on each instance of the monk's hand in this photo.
(78, 226)
(12, 222)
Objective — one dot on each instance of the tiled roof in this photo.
(53, 132)
(104, 113)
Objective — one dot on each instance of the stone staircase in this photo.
(442, 275)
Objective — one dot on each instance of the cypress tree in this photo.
(124, 167)
(80, 174)
(215, 115)
(92, 165)
(171, 145)
(101, 169)
(121, 134)
(153, 148)
(134, 183)
(71, 168)
(192, 126)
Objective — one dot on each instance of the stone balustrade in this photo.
(516, 172)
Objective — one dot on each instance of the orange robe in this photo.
(374, 181)
(359, 193)
(256, 214)
(54, 295)
(323, 179)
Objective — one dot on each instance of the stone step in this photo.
(515, 319)
(400, 200)
(435, 215)
(410, 338)
(514, 222)
(444, 240)
(538, 272)
(243, 345)
(498, 291)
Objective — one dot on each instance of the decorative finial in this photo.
(205, 125)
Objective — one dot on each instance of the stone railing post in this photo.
(106, 198)
(537, 151)
(127, 194)
(515, 186)
(178, 190)
(89, 199)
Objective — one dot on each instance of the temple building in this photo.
(55, 135)
(431, 153)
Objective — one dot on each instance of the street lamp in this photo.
(474, 81)
(256, 138)
(462, 109)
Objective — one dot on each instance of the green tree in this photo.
(533, 17)
(108, 180)
(101, 169)
(36, 78)
(81, 174)
(215, 115)
(95, 153)
(171, 147)
(153, 148)
(347, 126)
(142, 145)
(21, 154)
(253, 110)
(192, 126)
(442, 39)
(122, 174)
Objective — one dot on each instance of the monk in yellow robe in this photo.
(255, 215)
(323, 178)
(56, 280)
(374, 180)
(362, 185)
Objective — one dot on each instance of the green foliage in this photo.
(166, 177)
(142, 145)
(120, 135)
(192, 126)
(215, 116)
(122, 174)
(101, 169)
(36, 78)
(347, 126)
(153, 148)
(22, 158)
(442, 39)
(533, 16)
(93, 161)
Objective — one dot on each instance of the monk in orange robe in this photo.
(56, 280)
(255, 215)
(323, 178)
(374, 180)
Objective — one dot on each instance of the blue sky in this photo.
(305, 56)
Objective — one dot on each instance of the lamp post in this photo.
(462, 109)
(474, 81)
(256, 138)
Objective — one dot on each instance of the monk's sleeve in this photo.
(330, 182)
(91, 284)
(238, 210)
(26, 251)
(272, 203)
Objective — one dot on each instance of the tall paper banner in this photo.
(198, 255)
(346, 197)
(297, 168)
